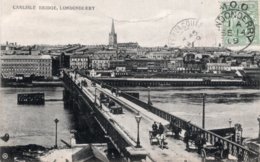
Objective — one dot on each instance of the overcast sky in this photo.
(147, 22)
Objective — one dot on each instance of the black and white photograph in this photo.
(130, 81)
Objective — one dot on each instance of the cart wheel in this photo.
(203, 153)
(221, 154)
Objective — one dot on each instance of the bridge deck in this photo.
(126, 122)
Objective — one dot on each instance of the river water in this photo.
(240, 105)
(33, 124)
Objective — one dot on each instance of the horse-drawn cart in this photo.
(153, 138)
(158, 139)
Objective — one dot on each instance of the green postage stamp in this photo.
(239, 23)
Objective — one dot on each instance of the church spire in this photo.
(112, 36)
(113, 27)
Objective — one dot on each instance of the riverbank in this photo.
(139, 88)
(177, 82)
(26, 152)
(37, 153)
(57, 83)
(51, 83)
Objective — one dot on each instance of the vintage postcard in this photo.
(130, 80)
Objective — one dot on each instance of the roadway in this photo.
(127, 124)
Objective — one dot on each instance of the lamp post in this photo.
(95, 96)
(203, 111)
(138, 118)
(230, 122)
(259, 127)
(56, 124)
(149, 97)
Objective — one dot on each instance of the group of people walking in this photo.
(158, 133)
(157, 129)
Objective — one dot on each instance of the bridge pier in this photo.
(136, 154)
(111, 150)
(67, 98)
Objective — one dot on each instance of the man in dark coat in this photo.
(161, 129)
(154, 127)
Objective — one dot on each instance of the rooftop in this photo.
(79, 56)
(206, 49)
(105, 52)
(25, 57)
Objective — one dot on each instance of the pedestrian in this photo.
(186, 140)
(161, 129)
(218, 144)
(154, 128)
(199, 142)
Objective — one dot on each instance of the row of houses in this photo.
(44, 65)
(132, 59)
(187, 63)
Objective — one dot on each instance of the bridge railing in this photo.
(116, 137)
(234, 149)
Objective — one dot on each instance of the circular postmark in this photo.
(236, 25)
(185, 33)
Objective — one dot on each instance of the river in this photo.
(222, 104)
(34, 124)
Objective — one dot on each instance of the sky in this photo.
(148, 22)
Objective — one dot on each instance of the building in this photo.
(126, 53)
(112, 36)
(140, 64)
(70, 49)
(89, 49)
(26, 65)
(209, 50)
(100, 64)
(8, 46)
(114, 64)
(106, 54)
(246, 59)
(79, 61)
(166, 55)
(176, 64)
(128, 45)
(218, 67)
(235, 59)
(64, 60)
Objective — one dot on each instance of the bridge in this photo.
(121, 129)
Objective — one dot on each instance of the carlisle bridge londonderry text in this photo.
(91, 8)
(51, 7)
